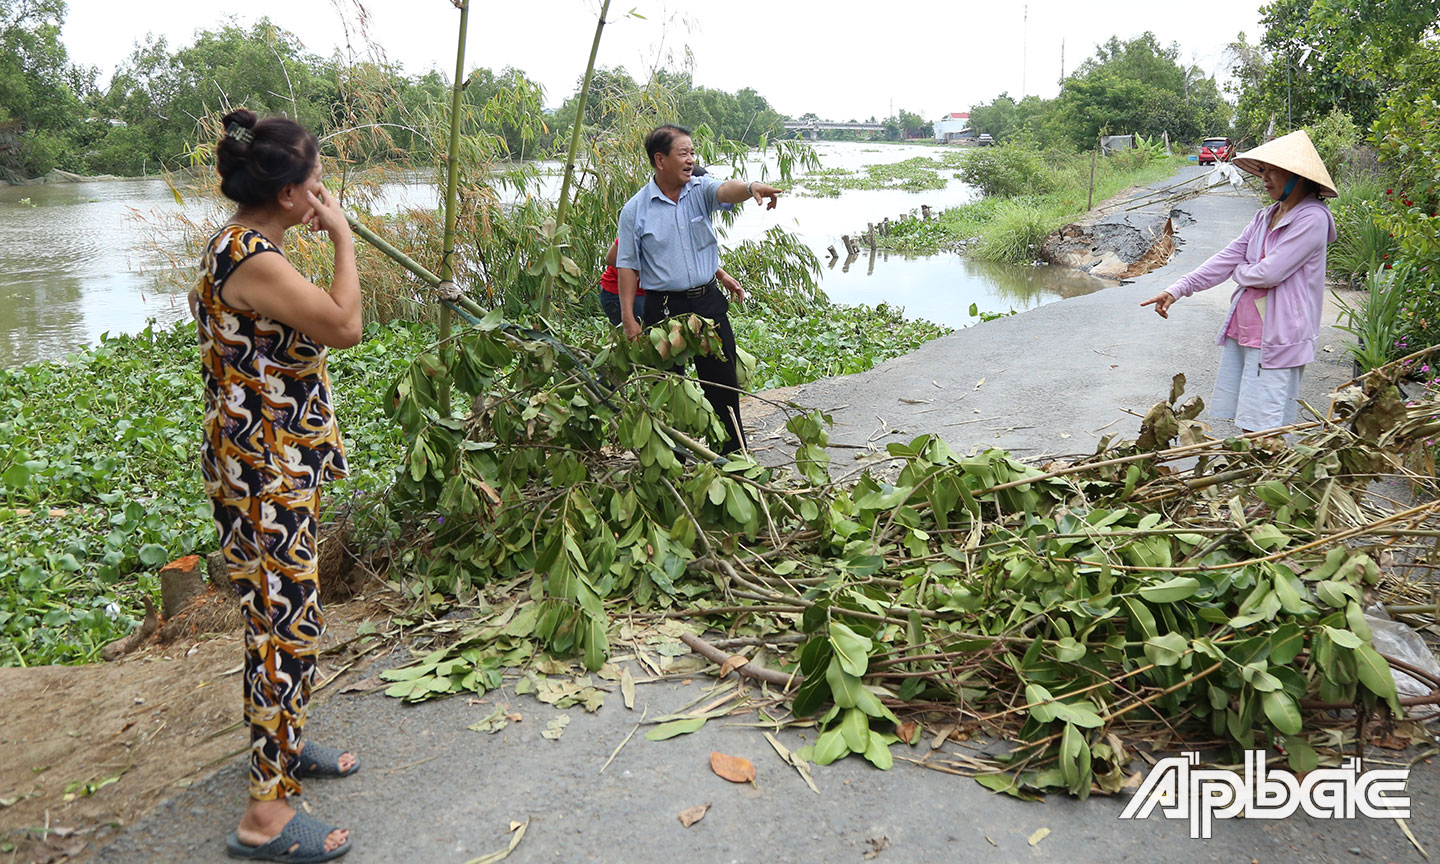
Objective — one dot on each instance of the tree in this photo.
(1317, 55)
(1135, 86)
(163, 97)
(1004, 119)
(39, 110)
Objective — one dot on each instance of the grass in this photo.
(99, 458)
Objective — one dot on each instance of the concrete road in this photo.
(1055, 379)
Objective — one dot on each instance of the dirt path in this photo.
(87, 749)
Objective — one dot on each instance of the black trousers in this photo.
(717, 377)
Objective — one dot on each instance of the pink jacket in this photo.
(1289, 261)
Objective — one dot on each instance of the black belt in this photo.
(697, 291)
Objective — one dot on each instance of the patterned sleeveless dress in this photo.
(270, 441)
(269, 425)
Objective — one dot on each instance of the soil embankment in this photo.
(1128, 235)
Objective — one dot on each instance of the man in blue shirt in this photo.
(668, 244)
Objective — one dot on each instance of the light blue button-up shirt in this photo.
(671, 243)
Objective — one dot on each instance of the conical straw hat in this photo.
(1295, 154)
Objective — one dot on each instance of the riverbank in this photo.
(58, 176)
(1028, 196)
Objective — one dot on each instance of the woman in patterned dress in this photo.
(270, 442)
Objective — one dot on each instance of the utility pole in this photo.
(1062, 63)
(1024, 46)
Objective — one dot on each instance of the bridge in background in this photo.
(814, 126)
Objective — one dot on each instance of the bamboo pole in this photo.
(447, 270)
(391, 252)
(564, 206)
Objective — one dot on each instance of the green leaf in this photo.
(596, 644)
(1165, 650)
(870, 703)
(855, 726)
(1068, 650)
(1075, 761)
(1335, 593)
(1287, 588)
(674, 728)
(1355, 617)
(1282, 711)
(1374, 673)
(844, 687)
(737, 504)
(16, 476)
(1286, 643)
(878, 752)
(153, 555)
(1269, 537)
(1007, 784)
(884, 498)
(1302, 756)
(1079, 714)
(1257, 676)
(1041, 702)
(851, 649)
(1170, 591)
(1142, 617)
(1343, 638)
(829, 747)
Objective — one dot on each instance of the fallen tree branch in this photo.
(785, 680)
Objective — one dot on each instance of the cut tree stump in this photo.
(180, 580)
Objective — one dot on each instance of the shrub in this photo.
(1007, 171)
(1335, 137)
(1019, 227)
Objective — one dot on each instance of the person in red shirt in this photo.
(610, 291)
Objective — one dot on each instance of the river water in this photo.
(79, 260)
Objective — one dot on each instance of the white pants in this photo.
(1253, 397)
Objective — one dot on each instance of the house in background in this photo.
(954, 127)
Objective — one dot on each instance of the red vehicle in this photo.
(1216, 149)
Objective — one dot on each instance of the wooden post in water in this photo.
(885, 227)
(925, 211)
(871, 235)
(1091, 203)
(850, 246)
(831, 250)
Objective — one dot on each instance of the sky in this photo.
(841, 60)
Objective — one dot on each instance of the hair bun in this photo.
(257, 158)
(242, 117)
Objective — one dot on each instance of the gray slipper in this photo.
(317, 760)
(308, 833)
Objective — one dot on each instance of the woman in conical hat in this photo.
(1278, 265)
